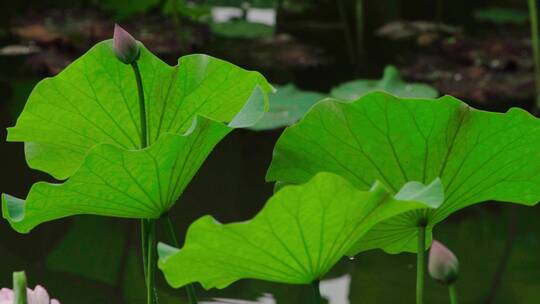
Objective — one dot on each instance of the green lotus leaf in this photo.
(479, 156)
(84, 125)
(122, 183)
(241, 29)
(287, 106)
(391, 82)
(301, 232)
(94, 101)
(501, 15)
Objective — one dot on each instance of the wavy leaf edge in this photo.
(13, 208)
(166, 252)
(256, 105)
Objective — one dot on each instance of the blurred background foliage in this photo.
(478, 51)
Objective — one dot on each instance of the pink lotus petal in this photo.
(38, 296)
(125, 47)
(6, 296)
(443, 265)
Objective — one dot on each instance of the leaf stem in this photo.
(142, 104)
(19, 287)
(175, 13)
(453, 294)
(533, 11)
(349, 38)
(167, 223)
(316, 292)
(439, 14)
(150, 262)
(360, 29)
(144, 245)
(177, 19)
(148, 226)
(420, 264)
(169, 228)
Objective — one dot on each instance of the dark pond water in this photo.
(89, 259)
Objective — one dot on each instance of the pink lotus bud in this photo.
(37, 296)
(6, 296)
(443, 265)
(125, 47)
(40, 296)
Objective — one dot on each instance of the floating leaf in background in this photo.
(287, 106)
(502, 15)
(298, 236)
(478, 155)
(241, 29)
(391, 83)
(84, 124)
(78, 254)
(111, 270)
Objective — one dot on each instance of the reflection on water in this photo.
(257, 15)
(336, 291)
(262, 15)
(265, 299)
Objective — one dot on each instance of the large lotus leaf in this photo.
(391, 82)
(478, 155)
(287, 106)
(123, 183)
(302, 231)
(84, 124)
(94, 101)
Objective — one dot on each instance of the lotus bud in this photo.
(40, 296)
(6, 296)
(21, 294)
(443, 265)
(125, 47)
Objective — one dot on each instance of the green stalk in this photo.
(150, 262)
(317, 299)
(439, 14)
(349, 38)
(142, 104)
(19, 287)
(453, 294)
(144, 245)
(148, 226)
(177, 19)
(420, 264)
(245, 6)
(360, 28)
(533, 11)
(176, 13)
(190, 289)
